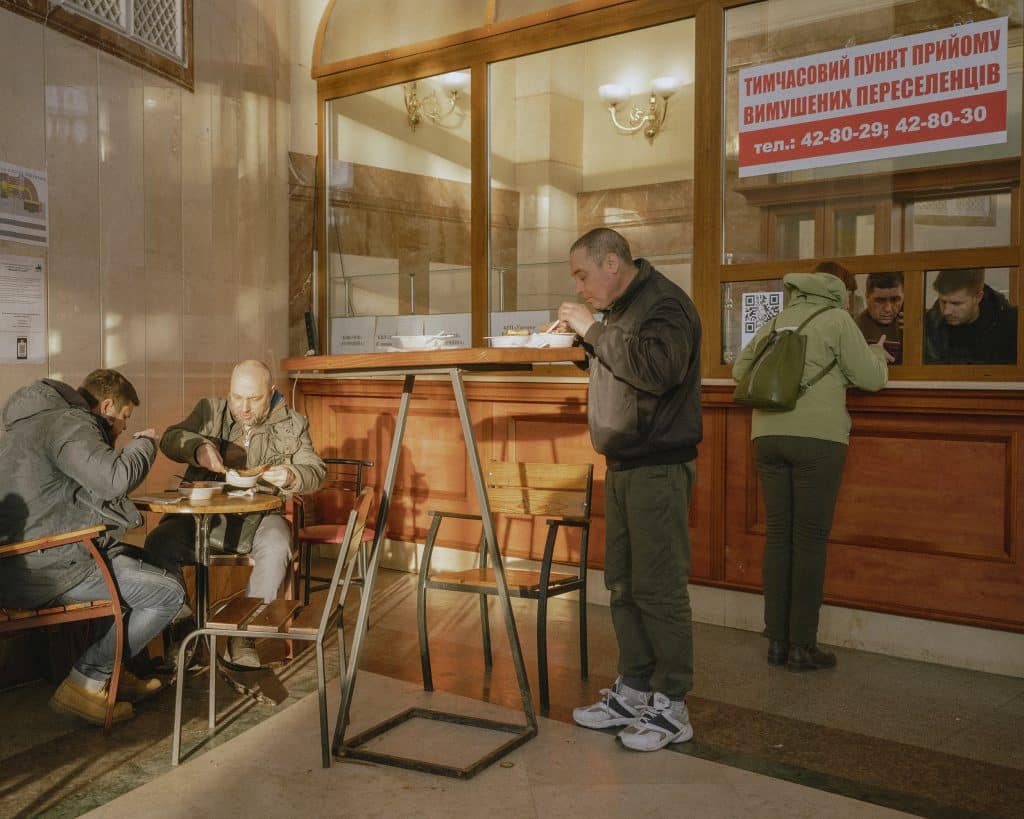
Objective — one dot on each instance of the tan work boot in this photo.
(132, 689)
(241, 653)
(91, 706)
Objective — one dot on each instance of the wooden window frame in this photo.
(595, 19)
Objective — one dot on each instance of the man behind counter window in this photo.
(252, 427)
(644, 414)
(883, 315)
(969, 323)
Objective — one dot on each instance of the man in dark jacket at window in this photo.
(59, 472)
(969, 323)
(644, 414)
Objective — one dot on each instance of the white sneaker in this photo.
(660, 723)
(619, 705)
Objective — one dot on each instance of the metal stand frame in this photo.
(352, 747)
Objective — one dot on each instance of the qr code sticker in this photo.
(759, 309)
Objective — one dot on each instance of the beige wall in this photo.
(168, 254)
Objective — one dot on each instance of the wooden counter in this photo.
(930, 521)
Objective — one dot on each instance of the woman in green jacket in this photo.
(800, 455)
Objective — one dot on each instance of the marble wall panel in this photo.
(122, 262)
(73, 285)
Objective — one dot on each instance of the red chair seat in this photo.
(330, 533)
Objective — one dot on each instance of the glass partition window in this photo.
(598, 134)
(906, 105)
(398, 215)
(969, 317)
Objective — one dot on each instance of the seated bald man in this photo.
(252, 427)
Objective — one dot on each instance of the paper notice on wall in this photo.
(758, 310)
(934, 91)
(22, 310)
(24, 205)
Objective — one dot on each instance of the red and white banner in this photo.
(934, 91)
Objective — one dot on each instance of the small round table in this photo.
(172, 503)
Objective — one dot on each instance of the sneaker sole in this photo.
(683, 736)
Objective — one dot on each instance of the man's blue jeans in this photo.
(152, 597)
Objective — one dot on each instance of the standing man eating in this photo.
(644, 414)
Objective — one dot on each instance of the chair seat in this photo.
(329, 533)
(67, 610)
(519, 581)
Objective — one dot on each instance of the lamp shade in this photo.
(613, 93)
(454, 81)
(664, 86)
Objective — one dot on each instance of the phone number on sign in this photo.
(874, 130)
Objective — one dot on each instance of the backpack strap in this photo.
(832, 364)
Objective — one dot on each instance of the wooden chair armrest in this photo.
(39, 544)
(435, 514)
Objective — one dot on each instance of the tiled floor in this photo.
(889, 733)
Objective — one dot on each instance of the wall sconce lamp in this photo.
(651, 120)
(417, 107)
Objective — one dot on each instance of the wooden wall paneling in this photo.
(911, 535)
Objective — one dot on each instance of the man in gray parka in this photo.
(252, 427)
(59, 472)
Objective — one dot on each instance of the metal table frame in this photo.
(427, 364)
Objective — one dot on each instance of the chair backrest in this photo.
(558, 490)
(347, 554)
(343, 482)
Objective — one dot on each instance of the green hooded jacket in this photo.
(833, 336)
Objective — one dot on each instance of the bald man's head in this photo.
(252, 386)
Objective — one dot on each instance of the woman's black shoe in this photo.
(778, 651)
(809, 658)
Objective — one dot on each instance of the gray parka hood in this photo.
(46, 395)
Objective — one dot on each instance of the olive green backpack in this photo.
(773, 380)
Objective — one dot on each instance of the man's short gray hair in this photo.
(601, 241)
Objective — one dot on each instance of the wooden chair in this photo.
(520, 489)
(284, 619)
(12, 620)
(344, 481)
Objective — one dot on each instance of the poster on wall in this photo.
(758, 309)
(22, 310)
(935, 91)
(24, 205)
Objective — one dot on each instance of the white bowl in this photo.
(201, 490)
(509, 341)
(241, 481)
(432, 342)
(553, 339)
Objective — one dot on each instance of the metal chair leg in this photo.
(212, 715)
(584, 658)
(542, 650)
(485, 628)
(321, 690)
(179, 696)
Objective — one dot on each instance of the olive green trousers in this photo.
(647, 566)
